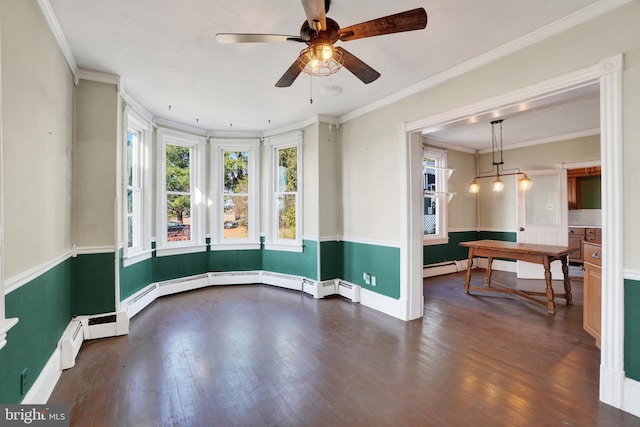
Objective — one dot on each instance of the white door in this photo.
(543, 218)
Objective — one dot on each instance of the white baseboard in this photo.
(43, 386)
(381, 303)
(631, 401)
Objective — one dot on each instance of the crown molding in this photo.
(586, 14)
(98, 76)
(555, 138)
(54, 25)
(301, 125)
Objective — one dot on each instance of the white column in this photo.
(611, 145)
(411, 298)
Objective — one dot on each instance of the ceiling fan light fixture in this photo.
(320, 59)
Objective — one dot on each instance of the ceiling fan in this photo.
(321, 57)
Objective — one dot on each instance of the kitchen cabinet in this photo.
(592, 304)
(577, 235)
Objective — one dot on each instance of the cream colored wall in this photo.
(37, 125)
(95, 161)
(369, 143)
(329, 223)
(498, 211)
(370, 169)
(310, 181)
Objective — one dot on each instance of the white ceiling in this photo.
(166, 55)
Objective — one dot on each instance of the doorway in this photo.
(608, 75)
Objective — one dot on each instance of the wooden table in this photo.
(539, 254)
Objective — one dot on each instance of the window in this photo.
(181, 201)
(137, 209)
(235, 194)
(285, 204)
(436, 198)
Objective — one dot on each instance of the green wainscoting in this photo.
(135, 277)
(245, 260)
(331, 256)
(93, 289)
(177, 266)
(44, 308)
(631, 330)
(506, 236)
(452, 251)
(380, 261)
(303, 263)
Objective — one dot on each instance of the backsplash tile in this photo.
(585, 218)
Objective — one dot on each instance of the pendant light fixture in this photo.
(524, 182)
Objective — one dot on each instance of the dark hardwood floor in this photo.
(264, 356)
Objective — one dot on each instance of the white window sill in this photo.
(435, 241)
(5, 325)
(134, 258)
(296, 247)
(180, 250)
(234, 246)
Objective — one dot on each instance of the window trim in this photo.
(218, 147)
(197, 191)
(138, 125)
(442, 212)
(292, 139)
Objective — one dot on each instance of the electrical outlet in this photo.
(373, 281)
(23, 382)
(367, 278)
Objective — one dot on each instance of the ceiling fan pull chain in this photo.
(310, 90)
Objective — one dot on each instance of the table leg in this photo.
(567, 281)
(551, 306)
(487, 277)
(467, 277)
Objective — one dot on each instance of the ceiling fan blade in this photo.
(357, 67)
(410, 20)
(290, 75)
(255, 38)
(316, 11)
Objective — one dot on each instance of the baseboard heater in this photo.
(349, 290)
(70, 344)
(446, 267)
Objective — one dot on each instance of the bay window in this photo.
(235, 204)
(137, 206)
(285, 230)
(181, 201)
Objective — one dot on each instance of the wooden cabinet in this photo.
(576, 237)
(592, 256)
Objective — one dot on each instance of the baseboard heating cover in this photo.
(70, 344)
(185, 284)
(105, 325)
(446, 267)
(349, 290)
(282, 280)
